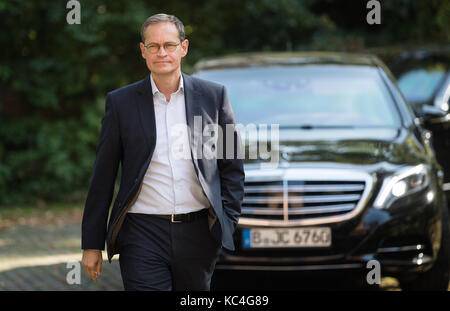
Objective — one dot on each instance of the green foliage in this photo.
(54, 76)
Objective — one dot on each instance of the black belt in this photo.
(184, 217)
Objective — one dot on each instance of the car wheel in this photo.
(437, 278)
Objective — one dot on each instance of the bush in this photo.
(54, 76)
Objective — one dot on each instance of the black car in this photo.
(423, 76)
(348, 176)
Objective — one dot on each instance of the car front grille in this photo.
(296, 200)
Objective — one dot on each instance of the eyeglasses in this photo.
(168, 46)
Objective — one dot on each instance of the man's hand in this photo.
(92, 263)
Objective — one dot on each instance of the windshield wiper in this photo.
(311, 126)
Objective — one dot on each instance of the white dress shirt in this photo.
(170, 185)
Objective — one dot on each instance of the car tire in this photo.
(437, 278)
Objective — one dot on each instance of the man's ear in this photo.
(141, 45)
(185, 46)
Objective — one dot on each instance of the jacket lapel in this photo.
(193, 102)
(147, 111)
(193, 109)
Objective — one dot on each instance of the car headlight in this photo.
(407, 181)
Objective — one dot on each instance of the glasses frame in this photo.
(163, 46)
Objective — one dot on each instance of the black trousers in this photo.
(156, 254)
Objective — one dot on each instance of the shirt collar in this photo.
(155, 89)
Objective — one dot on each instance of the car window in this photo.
(312, 95)
(420, 84)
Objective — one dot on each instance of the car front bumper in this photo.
(403, 240)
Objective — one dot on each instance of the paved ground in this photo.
(36, 247)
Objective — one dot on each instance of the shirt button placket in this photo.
(169, 144)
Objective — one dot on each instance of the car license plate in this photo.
(287, 237)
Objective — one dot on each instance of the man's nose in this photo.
(162, 51)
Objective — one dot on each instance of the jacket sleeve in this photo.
(102, 182)
(230, 165)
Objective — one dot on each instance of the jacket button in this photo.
(136, 180)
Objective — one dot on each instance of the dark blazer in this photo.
(128, 136)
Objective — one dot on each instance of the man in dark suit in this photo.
(176, 206)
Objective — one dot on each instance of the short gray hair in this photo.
(163, 18)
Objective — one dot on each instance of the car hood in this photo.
(356, 146)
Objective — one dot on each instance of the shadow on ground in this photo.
(54, 278)
(297, 281)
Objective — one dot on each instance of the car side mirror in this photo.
(428, 112)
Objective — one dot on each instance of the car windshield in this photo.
(310, 95)
(420, 84)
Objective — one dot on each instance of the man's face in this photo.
(163, 62)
